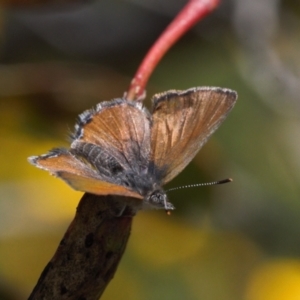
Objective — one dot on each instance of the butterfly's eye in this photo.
(156, 198)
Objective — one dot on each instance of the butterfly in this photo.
(120, 148)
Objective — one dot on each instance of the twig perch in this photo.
(88, 255)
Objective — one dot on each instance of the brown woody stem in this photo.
(88, 254)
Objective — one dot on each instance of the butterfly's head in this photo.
(158, 199)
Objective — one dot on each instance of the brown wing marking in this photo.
(182, 123)
(95, 186)
(119, 127)
(61, 163)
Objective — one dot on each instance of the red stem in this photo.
(188, 16)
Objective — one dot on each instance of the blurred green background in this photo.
(239, 241)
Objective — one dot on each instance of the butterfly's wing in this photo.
(120, 128)
(111, 145)
(63, 164)
(182, 123)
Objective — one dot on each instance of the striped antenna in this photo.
(200, 184)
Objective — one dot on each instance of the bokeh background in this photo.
(239, 241)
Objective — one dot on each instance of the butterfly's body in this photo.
(143, 180)
(120, 148)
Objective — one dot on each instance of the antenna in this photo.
(201, 184)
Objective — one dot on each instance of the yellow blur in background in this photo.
(276, 279)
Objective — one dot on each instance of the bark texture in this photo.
(89, 253)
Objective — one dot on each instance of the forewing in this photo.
(95, 186)
(118, 127)
(61, 163)
(182, 123)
